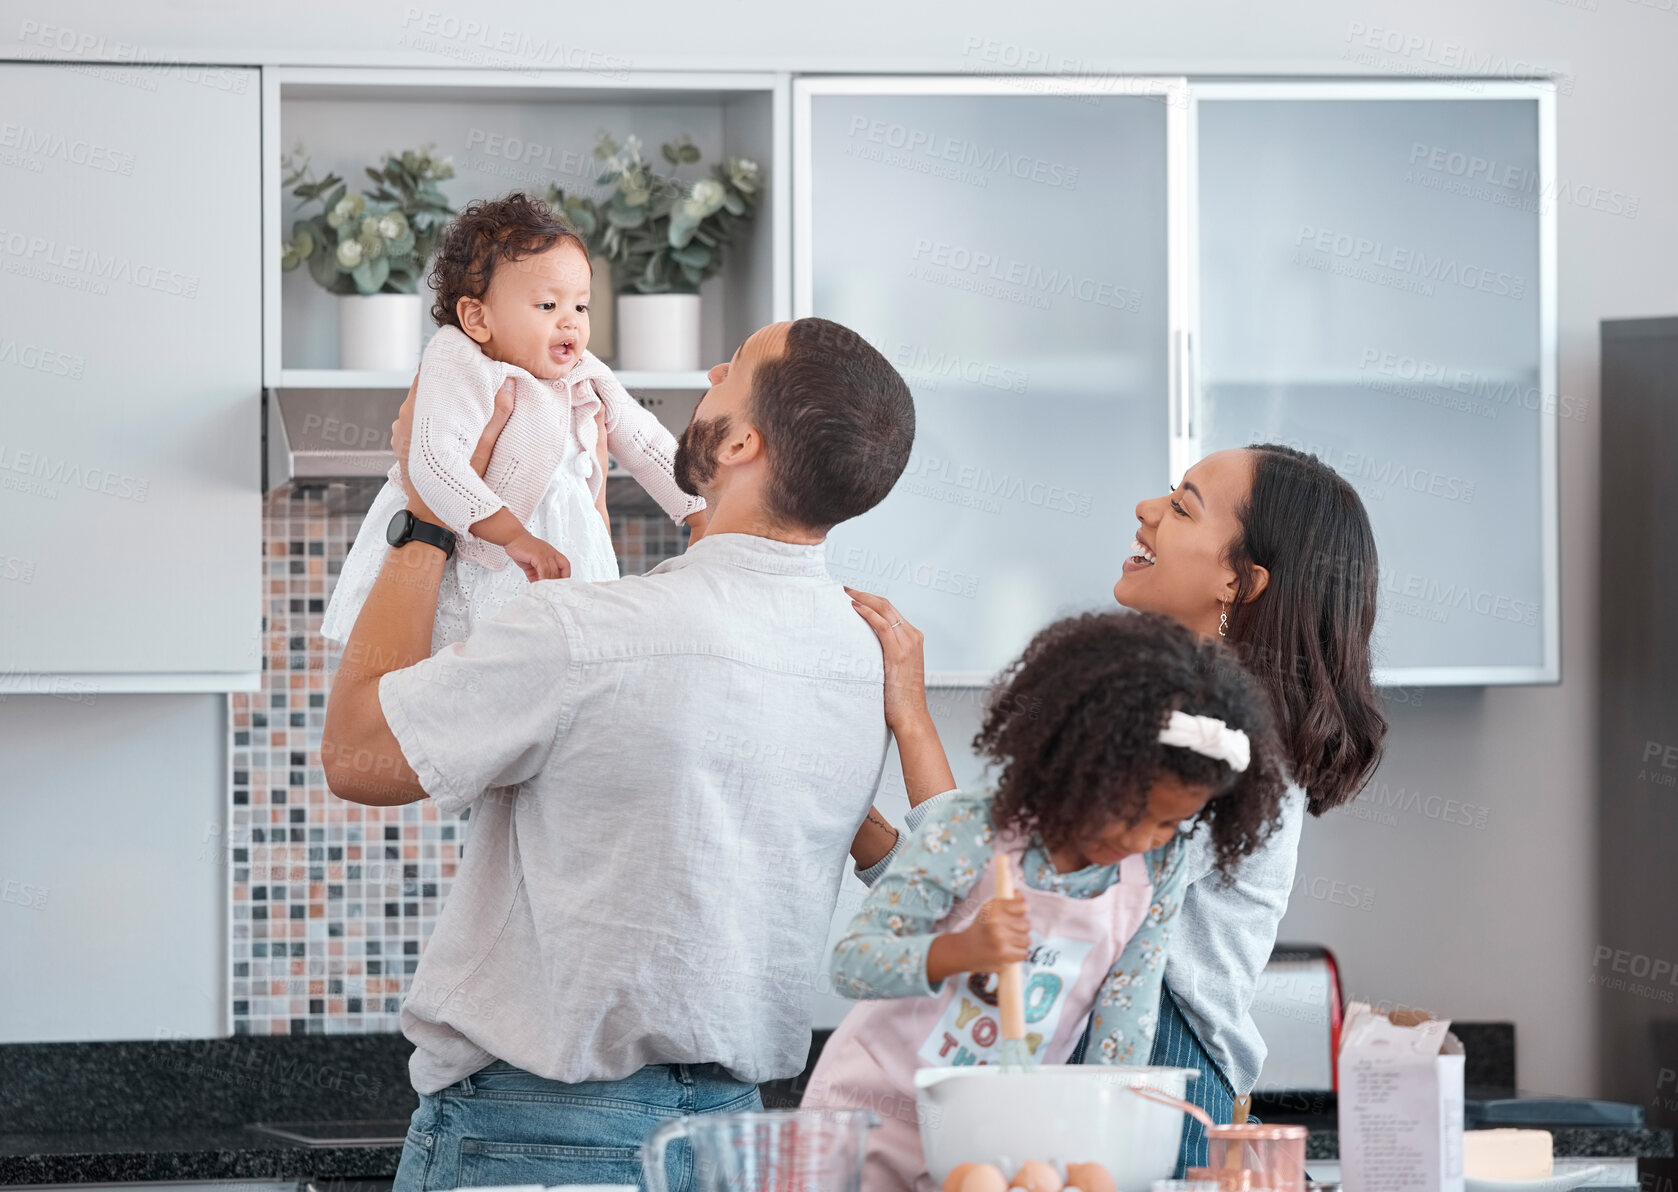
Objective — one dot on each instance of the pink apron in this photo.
(871, 1059)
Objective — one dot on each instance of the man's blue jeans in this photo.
(502, 1125)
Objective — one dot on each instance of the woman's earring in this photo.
(1223, 620)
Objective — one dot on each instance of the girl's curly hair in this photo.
(488, 233)
(1074, 727)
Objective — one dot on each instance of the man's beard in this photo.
(696, 453)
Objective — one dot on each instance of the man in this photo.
(663, 775)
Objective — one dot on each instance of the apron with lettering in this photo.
(870, 1061)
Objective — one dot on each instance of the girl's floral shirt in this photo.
(883, 951)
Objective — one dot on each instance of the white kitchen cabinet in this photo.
(1376, 286)
(130, 379)
(1010, 245)
(1090, 284)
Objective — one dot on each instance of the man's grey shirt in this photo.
(664, 773)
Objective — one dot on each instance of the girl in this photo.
(1270, 550)
(512, 286)
(1111, 733)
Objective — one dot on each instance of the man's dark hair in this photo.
(1074, 727)
(837, 423)
(488, 233)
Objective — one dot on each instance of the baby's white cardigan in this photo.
(456, 397)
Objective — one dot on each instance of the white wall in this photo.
(1496, 922)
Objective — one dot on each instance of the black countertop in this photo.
(231, 1153)
(179, 1110)
(1489, 1076)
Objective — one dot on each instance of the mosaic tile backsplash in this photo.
(331, 902)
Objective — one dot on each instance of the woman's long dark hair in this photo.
(1305, 638)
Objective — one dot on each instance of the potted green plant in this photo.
(664, 236)
(371, 250)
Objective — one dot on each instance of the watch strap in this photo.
(432, 535)
(405, 528)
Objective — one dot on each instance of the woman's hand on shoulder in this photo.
(902, 648)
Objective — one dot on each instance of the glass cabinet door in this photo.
(1375, 286)
(1008, 245)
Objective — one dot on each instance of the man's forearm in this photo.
(363, 761)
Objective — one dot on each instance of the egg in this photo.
(1090, 1177)
(1035, 1175)
(981, 1177)
(958, 1173)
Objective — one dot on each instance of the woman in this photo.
(1271, 550)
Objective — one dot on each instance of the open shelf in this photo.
(519, 130)
(345, 378)
(342, 378)
(696, 381)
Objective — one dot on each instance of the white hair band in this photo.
(1208, 736)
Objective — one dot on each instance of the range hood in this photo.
(319, 435)
(315, 435)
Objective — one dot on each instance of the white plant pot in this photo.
(658, 332)
(379, 332)
(602, 311)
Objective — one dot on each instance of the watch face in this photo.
(400, 525)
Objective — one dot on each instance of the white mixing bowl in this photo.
(1076, 1113)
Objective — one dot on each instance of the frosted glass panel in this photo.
(1370, 293)
(1008, 254)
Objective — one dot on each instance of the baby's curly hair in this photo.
(488, 233)
(1074, 727)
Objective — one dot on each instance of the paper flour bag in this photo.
(1400, 1103)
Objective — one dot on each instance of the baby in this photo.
(512, 287)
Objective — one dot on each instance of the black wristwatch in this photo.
(405, 528)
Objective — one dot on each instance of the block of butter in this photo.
(1507, 1155)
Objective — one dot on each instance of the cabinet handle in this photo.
(1176, 406)
(1183, 404)
(1191, 404)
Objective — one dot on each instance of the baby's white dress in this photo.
(551, 434)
